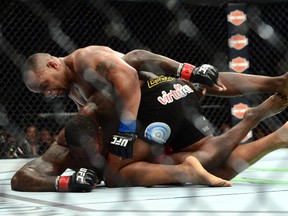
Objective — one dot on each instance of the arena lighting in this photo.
(188, 28)
(117, 27)
(119, 30)
(267, 32)
(17, 58)
(185, 24)
(264, 30)
(169, 4)
(63, 40)
(56, 33)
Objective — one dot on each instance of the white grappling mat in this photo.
(260, 190)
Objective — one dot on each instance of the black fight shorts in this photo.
(169, 114)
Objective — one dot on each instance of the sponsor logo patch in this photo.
(153, 82)
(239, 64)
(238, 110)
(176, 94)
(158, 132)
(236, 17)
(120, 140)
(238, 41)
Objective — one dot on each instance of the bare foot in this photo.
(271, 106)
(198, 175)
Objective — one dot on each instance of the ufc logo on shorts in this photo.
(119, 141)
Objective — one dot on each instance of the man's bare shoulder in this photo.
(94, 52)
(89, 55)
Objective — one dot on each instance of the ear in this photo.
(53, 64)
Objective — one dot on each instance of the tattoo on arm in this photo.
(105, 67)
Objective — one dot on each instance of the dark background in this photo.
(187, 31)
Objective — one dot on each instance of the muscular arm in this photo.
(143, 60)
(126, 83)
(236, 84)
(240, 84)
(110, 67)
(40, 173)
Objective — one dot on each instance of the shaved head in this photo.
(34, 64)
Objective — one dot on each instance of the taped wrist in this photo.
(122, 142)
(127, 126)
(62, 183)
(186, 71)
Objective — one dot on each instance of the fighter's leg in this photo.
(190, 171)
(212, 151)
(142, 171)
(245, 155)
(138, 172)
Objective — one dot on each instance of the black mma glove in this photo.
(122, 142)
(81, 181)
(205, 74)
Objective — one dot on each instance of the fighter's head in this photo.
(43, 73)
(84, 139)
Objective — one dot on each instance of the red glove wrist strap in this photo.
(63, 183)
(186, 71)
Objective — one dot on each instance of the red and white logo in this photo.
(177, 93)
(237, 17)
(238, 41)
(238, 110)
(239, 64)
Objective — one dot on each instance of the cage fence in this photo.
(186, 31)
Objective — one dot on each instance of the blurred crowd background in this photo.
(187, 31)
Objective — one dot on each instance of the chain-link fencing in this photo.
(181, 30)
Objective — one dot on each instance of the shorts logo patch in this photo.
(153, 82)
(158, 132)
(176, 94)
